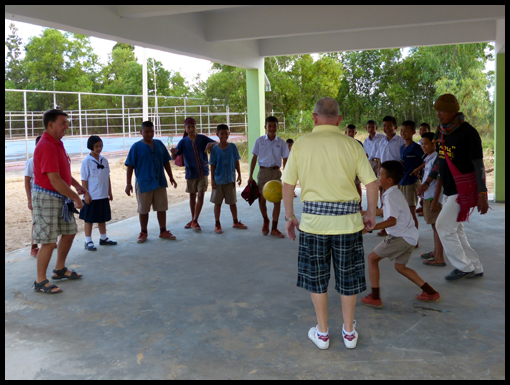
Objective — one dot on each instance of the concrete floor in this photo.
(210, 306)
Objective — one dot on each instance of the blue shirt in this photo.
(149, 164)
(412, 157)
(225, 163)
(195, 158)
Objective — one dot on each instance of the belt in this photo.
(270, 168)
(331, 208)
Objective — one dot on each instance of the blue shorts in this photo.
(314, 263)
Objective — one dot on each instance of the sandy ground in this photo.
(18, 216)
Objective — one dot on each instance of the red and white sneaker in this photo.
(350, 340)
(322, 342)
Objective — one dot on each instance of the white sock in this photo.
(103, 237)
(322, 334)
(348, 333)
(88, 239)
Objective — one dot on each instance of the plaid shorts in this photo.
(314, 263)
(47, 218)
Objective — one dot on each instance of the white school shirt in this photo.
(390, 150)
(270, 152)
(395, 205)
(97, 178)
(431, 191)
(29, 171)
(371, 146)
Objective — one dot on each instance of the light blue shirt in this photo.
(270, 152)
(225, 163)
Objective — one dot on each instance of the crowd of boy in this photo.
(330, 168)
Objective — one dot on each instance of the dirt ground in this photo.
(18, 216)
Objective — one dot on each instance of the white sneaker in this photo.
(322, 342)
(350, 341)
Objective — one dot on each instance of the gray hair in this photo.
(327, 107)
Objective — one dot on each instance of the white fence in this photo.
(121, 116)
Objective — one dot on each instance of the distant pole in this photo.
(123, 126)
(81, 132)
(145, 86)
(26, 122)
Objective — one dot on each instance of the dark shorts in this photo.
(314, 263)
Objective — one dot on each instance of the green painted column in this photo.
(256, 108)
(499, 130)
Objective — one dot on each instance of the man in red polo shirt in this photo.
(52, 201)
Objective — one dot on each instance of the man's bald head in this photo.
(327, 111)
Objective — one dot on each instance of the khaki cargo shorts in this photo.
(196, 185)
(396, 249)
(411, 193)
(224, 191)
(47, 219)
(156, 198)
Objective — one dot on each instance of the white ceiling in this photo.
(242, 35)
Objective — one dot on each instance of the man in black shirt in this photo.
(463, 146)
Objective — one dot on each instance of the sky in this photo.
(188, 67)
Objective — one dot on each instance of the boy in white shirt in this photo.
(432, 201)
(401, 240)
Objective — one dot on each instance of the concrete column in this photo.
(499, 130)
(256, 108)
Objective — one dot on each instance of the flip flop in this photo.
(432, 262)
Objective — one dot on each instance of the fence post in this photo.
(175, 119)
(79, 121)
(201, 126)
(26, 123)
(208, 121)
(123, 126)
(10, 125)
(106, 115)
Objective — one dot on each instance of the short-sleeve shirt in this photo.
(326, 163)
(412, 158)
(97, 174)
(51, 156)
(224, 161)
(395, 205)
(270, 152)
(431, 191)
(149, 164)
(371, 146)
(195, 158)
(29, 171)
(390, 150)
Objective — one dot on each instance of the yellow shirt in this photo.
(326, 163)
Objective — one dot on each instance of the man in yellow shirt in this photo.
(326, 163)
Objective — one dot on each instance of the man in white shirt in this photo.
(269, 150)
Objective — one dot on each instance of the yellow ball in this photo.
(272, 191)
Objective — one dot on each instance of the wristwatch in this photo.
(289, 219)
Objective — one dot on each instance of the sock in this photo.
(144, 231)
(162, 230)
(428, 289)
(375, 293)
(348, 333)
(322, 334)
(275, 225)
(218, 224)
(236, 221)
(266, 219)
(88, 239)
(103, 237)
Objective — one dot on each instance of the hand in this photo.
(369, 222)
(88, 198)
(173, 182)
(363, 232)
(173, 151)
(129, 189)
(78, 204)
(421, 190)
(213, 184)
(290, 228)
(416, 172)
(250, 179)
(111, 197)
(81, 190)
(30, 205)
(483, 204)
(239, 180)
(209, 146)
(434, 206)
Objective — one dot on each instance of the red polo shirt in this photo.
(51, 156)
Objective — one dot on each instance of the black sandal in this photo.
(62, 274)
(42, 288)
